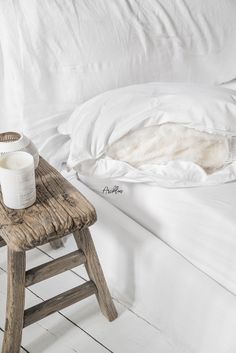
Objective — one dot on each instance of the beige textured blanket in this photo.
(162, 143)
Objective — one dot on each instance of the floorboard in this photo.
(80, 328)
(54, 334)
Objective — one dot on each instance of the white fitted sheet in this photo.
(199, 223)
(158, 284)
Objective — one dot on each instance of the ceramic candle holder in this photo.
(14, 141)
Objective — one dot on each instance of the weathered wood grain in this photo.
(15, 302)
(54, 267)
(85, 243)
(58, 302)
(59, 210)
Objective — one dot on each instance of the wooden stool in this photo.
(60, 209)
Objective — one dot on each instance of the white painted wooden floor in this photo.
(80, 328)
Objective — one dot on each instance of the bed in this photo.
(157, 283)
(168, 254)
(197, 223)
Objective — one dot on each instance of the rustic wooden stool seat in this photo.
(60, 209)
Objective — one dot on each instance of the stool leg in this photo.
(85, 243)
(15, 302)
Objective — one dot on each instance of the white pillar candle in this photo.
(17, 179)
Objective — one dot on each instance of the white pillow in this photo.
(102, 121)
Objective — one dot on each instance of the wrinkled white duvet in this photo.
(194, 125)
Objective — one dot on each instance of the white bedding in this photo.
(199, 223)
(57, 54)
(153, 280)
(102, 122)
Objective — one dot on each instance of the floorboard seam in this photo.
(101, 344)
(59, 312)
(24, 349)
(115, 299)
(138, 316)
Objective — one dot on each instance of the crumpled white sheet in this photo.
(55, 54)
(103, 120)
